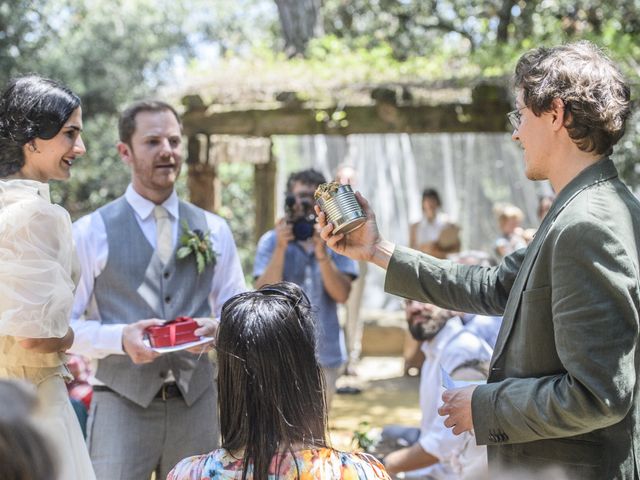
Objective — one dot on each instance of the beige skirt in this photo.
(58, 423)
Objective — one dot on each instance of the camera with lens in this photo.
(303, 221)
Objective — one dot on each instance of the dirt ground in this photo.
(388, 397)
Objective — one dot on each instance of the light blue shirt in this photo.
(301, 268)
(486, 327)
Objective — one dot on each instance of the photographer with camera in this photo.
(293, 251)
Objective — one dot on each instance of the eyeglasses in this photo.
(515, 117)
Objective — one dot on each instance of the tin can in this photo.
(343, 210)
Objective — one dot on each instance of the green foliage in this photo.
(387, 40)
(409, 27)
(238, 208)
(235, 28)
(198, 244)
(109, 53)
(113, 52)
(362, 438)
(23, 32)
(627, 153)
(333, 57)
(414, 27)
(332, 68)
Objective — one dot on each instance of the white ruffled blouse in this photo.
(36, 265)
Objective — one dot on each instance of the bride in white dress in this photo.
(40, 125)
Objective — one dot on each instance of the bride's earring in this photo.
(32, 148)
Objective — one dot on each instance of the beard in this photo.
(426, 331)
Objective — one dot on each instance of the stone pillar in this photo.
(265, 194)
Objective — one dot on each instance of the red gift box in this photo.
(175, 332)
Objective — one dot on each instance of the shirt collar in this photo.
(144, 207)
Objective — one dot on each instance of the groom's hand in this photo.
(132, 341)
(207, 327)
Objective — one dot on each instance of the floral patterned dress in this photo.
(313, 464)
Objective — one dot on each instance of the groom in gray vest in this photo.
(149, 410)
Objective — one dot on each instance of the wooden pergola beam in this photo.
(379, 118)
(485, 113)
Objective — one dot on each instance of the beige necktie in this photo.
(164, 242)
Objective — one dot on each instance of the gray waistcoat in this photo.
(135, 285)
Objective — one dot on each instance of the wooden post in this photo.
(202, 181)
(265, 194)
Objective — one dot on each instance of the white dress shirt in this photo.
(451, 347)
(429, 231)
(95, 340)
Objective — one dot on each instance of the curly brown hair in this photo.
(594, 91)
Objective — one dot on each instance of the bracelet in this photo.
(323, 259)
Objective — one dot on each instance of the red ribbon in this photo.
(172, 334)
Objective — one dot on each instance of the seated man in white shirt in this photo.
(486, 327)
(438, 453)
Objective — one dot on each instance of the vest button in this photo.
(167, 299)
(162, 374)
(166, 274)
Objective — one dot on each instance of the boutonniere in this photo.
(198, 243)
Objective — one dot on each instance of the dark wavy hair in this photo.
(594, 91)
(24, 453)
(31, 107)
(431, 193)
(270, 385)
(309, 176)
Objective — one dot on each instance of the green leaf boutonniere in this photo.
(198, 243)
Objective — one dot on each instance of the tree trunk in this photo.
(301, 21)
(502, 35)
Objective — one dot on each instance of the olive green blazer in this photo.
(563, 387)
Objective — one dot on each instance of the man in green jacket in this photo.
(563, 389)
